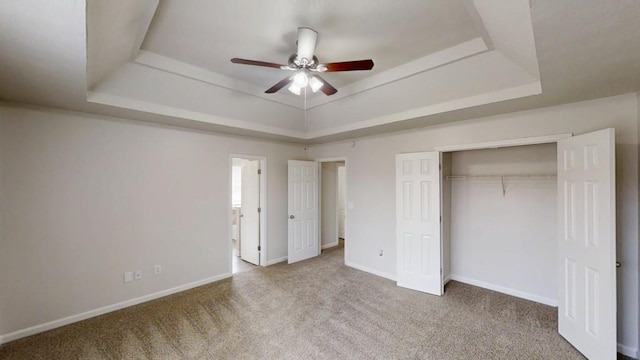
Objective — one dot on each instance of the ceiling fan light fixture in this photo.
(301, 79)
(294, 89)
(304, 63)
(315, 84)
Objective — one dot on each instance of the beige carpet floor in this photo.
(316, 309)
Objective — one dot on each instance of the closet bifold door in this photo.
(587, 246)
(418, 234)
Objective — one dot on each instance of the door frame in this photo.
(346, 192)
(554, 138)
(503, 143)
(263, 208)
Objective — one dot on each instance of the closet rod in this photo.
(535, 177)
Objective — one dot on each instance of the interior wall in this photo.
(371, 182)
(329, 205)
(506, 242)
(87, 198)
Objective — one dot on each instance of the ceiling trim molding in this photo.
(426, 63)
(533, 88)
(429, 62)
(132, 104)
(145, 22)
(170, 65)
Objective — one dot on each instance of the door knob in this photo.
(618, 264)
(291, 217)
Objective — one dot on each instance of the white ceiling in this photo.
(207, 34)
(436, 61)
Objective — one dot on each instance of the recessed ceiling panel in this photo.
(208, 34)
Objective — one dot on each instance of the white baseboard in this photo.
(447, 279)
(276, 261)
(106, 309)
(371, 271)
(325, 246)
(628, 351)
(505, 290)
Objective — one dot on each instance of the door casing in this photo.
(264, 241)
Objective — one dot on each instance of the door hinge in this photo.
(259, 210)
(259, 248)
(440, 167)
(440, 218)
(440, 271)
(259, 171)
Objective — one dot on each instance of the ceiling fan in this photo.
(306, 66)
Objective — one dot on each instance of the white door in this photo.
(250, 210)
(418, 237)
(303, 210)
(587, 219)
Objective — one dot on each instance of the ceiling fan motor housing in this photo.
(303, 62)
(300, 63)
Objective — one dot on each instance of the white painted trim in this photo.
(440, 58)
(370, 270)
(505, 143)
(153, 108)
(106, 309)
(330, 245)
(167, 64)
(628, 351)
(505, 290)
(447, 279)
(333, 159)
(533, 88)
(426, 63)
(337, 242)
(263, 204)
(145, 22)
(276, 261)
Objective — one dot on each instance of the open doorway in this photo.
(332, 204)
(248, 243)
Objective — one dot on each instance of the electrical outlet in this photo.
(157, 270)
(128, 276)
(137, 275)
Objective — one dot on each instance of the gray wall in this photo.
(86, 198)
(371, 182)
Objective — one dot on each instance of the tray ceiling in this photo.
(428, 55)
(167, 61)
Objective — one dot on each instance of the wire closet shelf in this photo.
(502, 178)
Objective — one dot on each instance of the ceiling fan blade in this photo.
(348, 65)
(256, 63)
(326, 88)
(307, 39)
(275, 88)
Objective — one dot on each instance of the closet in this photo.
(499, 212)
(534, 221)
